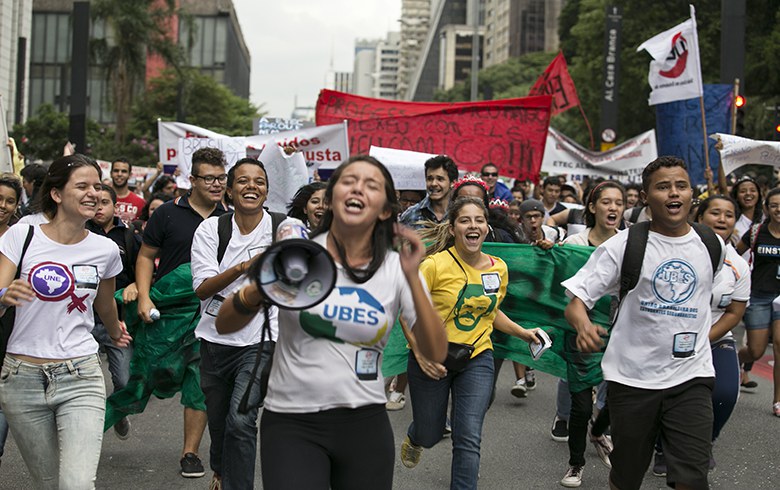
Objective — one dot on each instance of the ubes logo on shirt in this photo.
(349, 315)
(674, 281)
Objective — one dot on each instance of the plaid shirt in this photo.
(422, 211)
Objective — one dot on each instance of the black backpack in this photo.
(7, 320)
(635, 253)
(225, 230)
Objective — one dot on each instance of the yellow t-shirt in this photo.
(467, 307)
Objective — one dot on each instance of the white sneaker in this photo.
(395, 401)
(573, 477)
(519, 389)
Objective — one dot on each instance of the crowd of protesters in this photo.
(161, 277)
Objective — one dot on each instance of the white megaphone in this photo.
(295, 273)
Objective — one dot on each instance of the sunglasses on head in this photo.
(490, 174)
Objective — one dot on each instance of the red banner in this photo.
(557, 82)
(510, 133)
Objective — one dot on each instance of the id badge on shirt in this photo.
(85, 276)
(367, 364)
(491, 283)
(684, 345)
(213, 307)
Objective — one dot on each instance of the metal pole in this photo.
(474, 49)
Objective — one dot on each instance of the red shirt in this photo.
(129, 207)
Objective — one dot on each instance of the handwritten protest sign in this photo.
(510, 133)
(738, 152)
(286, 174)
(233, 148)
(624, 162)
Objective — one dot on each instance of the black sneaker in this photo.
(122, 429)
(659, 465)
(191, 466)
(560, 430)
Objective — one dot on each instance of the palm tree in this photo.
(134, 28)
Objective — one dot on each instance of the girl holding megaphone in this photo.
(324, 423)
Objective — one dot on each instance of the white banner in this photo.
(406, 167)
(737, 152)
(675, 72)
(286, 174)
(624, 162)
(319, 145)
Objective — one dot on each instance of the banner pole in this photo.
(587, 123)
(707, 169)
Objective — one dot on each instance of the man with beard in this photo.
(129, 204)
(440, 172)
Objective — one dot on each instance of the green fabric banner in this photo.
(164, 350)
(535, 298)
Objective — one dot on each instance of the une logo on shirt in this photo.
(51, 281)
(674, 281)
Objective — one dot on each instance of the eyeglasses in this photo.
(490, 174)
(209, 179)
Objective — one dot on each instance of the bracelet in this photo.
(2, 293)
(239, 303)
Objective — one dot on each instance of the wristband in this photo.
(2, 293)
(240, 305)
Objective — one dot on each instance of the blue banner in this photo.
(679, 132)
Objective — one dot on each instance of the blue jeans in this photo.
(471, 390)
(56, 412)
(225, 374)
(118, 358)
(3, 432)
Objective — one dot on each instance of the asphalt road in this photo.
(517, 451)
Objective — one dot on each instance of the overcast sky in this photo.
(292, 43)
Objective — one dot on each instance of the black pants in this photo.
(682, 415)
(340, 449)
(581, 411)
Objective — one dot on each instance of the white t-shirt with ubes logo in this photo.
(58, 323)
(330, 356)
(660, 337)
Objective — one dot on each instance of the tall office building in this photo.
(441, 60)
(218, 50)
(339, 80)
(15, 28)
(516, 27)
(415, 22)
(376, 67)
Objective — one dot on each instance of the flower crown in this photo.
(497, 203)
(469, 180)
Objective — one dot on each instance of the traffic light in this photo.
(739, 126)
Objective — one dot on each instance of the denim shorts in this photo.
(759, 314)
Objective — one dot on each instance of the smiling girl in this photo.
(467, 287)
(51, 385)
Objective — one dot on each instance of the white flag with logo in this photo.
(675, 72)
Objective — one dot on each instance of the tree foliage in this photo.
(207, 104)
(582, 31)
(135, 28)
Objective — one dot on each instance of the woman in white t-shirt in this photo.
(228, 368)
(51, 385)
(324, 423)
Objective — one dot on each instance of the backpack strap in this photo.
(633, 257)
(224, 232)
(130, 249)
(714, 248)
(635, 212)
(755, 229)
(26, 245)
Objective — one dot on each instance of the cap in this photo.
(531, 205)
